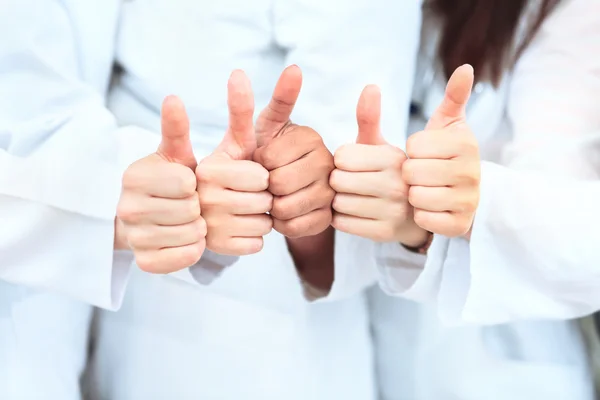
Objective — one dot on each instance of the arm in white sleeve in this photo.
(61, 155)
(59, 175)
(531, 253)
(341, 47)
(533, 250)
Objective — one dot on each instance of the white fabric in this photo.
(532, 250)
(62, 152)
(531, 255)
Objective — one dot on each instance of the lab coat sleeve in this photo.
(62, 156)
(59, 181)
(532, 252)
(341, 47)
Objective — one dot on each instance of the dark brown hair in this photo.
(483, 32)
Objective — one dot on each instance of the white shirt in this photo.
(531, 253)
(543, 117)
(64, 152)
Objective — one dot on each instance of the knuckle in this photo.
(268, 158)
(129, 212)
(341, 156)
(412, 145)
(290, 228)
(422, 219)
(137, 237)
(408, 171)
(252, 246)
(415, 193)
(397, 189)
(279, 210)
(267, 225)
(205, 171)
(263, 178)
(397, 158)
(337, 203)
(147, 263)
(191, 207)
(208, 199)
(200, 229)
(131, 176)
(186, 181)
(278, 183)
(335, 180)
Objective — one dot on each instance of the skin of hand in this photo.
(298, 162)
(444, 167)
(232, 188)
(371, 197)
(158, 215)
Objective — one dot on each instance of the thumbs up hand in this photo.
(372, 199)
(298, 162)
(159, 212)
(232, 188)
(444, 166)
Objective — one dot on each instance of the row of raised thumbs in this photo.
(274, 174)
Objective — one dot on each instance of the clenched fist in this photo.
(159, 209)
(443, 169)
(298, 162)
(232, 188)
(372, 198)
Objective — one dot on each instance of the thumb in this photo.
(239, 141)
(368, 115)
(458, 91)
(277, 113)
(175, 145)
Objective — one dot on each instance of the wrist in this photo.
(414, 236)
(313, 257)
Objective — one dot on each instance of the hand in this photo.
(298, 162)
(232, 188)
(372, 198)
(444, 167)
(159, 213)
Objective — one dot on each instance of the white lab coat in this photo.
(62, 155)
(544, 117)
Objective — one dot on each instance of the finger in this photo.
(309, 224)
(277, 113)
(363, 227)
(239, 203)
(367, 206)
(234, 246)
(240, 140)
(239, 225)
(376, 184)
(301, 173)
(169, 259)
(439, 173)
(439, 199)
(157, 211)
(164, 180)
(442, 223)
(366, 158)
(458, 91)
(368, 115)
(239, 175)
(297, 142)
(316, 196)
(149, 237)
(175, 145)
